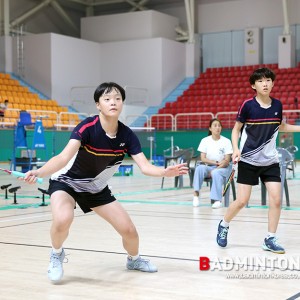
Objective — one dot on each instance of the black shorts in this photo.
(249, 174)
(85, 200)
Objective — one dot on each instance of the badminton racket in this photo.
(230, 178)
(19, 174)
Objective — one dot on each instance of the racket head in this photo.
(5, 170)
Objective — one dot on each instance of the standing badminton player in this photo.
(260, 119)
(79, 174)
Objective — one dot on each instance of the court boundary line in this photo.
(142, 254)
(157, 202)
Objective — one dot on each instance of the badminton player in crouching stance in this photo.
(79, 174)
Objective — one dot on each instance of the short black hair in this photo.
(107, 87)
(261, 73)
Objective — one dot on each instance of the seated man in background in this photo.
(215, 156)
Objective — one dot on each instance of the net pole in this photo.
(151, 149)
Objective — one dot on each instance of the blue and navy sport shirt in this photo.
(98, 157)
(259, 133)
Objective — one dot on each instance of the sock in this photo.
(224, 223)
(58, 251)
(270, 234)
(133, 257)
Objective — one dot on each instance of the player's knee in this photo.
(276, 203)
(62, 222)
(241, 203)
(130, 231)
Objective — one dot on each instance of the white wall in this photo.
(6, 54)
(2, 54)
(128, 26)
(193, 54)
(157, 65)
(215, 16)
(74, 62)
(37, 61)
(236, 15)
(179, 12)
(55, 64)
(173, 66)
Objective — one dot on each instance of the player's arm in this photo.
(284, 127)
(235, 135)
(148, 169)
(55, 163)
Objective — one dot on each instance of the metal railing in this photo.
(180, 121)
(162, 121)
(192, 120)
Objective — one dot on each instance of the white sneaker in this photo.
(196, 201)
(55, 269)
(141, 264)
(217, 204)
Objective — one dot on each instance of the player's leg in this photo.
(248, 176)
(62, 208)
(243, 195)
(274, 195)
(242, 198)
(270, 175)
(116, 215)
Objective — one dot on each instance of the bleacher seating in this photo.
(223, 89)
(20, 98)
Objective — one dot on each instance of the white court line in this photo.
(24, 218)
(32, 217)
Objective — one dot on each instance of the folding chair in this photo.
(179, 156)
(292, 165)
(208, 181)
(285, 158)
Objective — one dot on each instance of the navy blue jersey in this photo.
(259, 133)
(98, 157)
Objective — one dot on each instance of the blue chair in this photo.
(25, 118)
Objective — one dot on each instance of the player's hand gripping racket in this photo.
(230, 178)
(19, 174)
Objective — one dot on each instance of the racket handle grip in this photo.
(20, 174)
